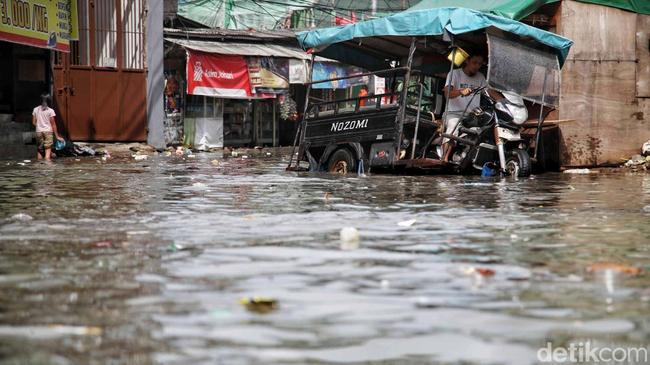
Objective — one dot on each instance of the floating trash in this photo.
(349, 238)
(21, 217)
(479, 271)
(261, 305)
(615, 267)
(49, 331)
(577, 171)
(103, 244)
(175, 247)
(140, 157)
(407, 223)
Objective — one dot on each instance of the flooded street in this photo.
(139, 262)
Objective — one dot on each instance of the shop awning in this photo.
(519, 9)
(426, 22)
(241, 49)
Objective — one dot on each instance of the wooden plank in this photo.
(610, 122)
(599, 32)
(548, 122)
(643, 55)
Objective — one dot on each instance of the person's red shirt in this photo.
(362, 93)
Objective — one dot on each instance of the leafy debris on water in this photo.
(261, 305)
(615, 267)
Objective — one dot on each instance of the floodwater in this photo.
(125, 262)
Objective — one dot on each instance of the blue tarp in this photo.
(426, 22)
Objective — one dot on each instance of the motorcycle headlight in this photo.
(519, 113)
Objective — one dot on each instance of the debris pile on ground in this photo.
(641, 161)
(638, 162)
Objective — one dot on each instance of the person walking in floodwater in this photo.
(43, 120)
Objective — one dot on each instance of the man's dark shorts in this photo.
(44, 140)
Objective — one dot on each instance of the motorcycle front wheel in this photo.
(518, 163)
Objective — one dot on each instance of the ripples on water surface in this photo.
(144, 262)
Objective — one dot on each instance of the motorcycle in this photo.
(490, 136)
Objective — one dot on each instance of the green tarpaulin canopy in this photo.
(428, 22)
(519, 9)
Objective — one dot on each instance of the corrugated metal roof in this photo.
(243, 49)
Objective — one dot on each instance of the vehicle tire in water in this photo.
(341, 162)
(518, 163)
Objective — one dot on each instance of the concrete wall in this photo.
(603, 85)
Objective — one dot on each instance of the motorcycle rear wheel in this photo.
(518, 163)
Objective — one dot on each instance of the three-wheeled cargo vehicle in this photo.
(403, 128)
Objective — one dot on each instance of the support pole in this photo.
(401, 114)
(538, 136)
(451, 82)
(417, 121)
(304, 113)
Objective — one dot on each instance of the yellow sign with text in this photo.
(39, 23)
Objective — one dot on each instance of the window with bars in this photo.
(106, 33)
(104, 36)
(133, 43)
(80, 50)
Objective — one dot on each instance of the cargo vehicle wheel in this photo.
(341, 162)
(518, 163)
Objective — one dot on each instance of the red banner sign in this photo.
(217, 75)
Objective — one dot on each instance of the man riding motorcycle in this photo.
(459, 84)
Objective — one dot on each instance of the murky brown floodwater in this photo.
(144, 262)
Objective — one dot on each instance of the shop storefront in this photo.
(29, 31)
(226, 93)
(232, 93)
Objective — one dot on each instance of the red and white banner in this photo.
(217, 75)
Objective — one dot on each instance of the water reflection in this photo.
(146, 261)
